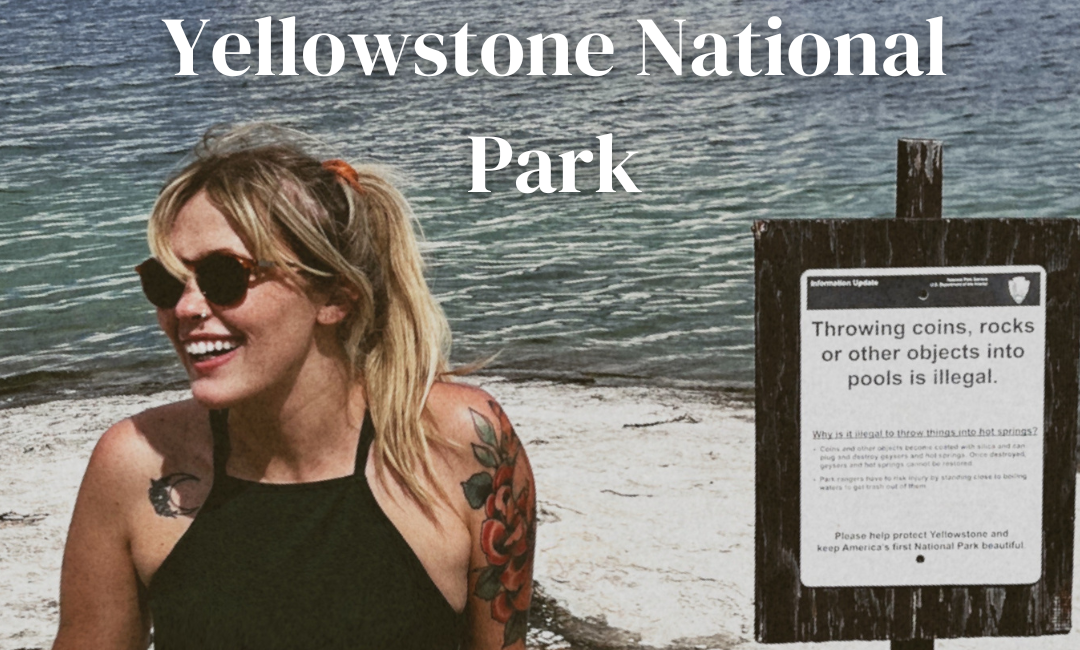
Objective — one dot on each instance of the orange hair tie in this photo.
(345, 172)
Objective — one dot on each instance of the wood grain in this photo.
(785, 610)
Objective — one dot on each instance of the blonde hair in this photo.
(355, 234)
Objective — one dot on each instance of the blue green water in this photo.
(650, 287)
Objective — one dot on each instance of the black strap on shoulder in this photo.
(219, 425)
(367, 436)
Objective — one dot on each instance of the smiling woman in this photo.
(326, 486)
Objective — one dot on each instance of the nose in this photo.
(192, 304)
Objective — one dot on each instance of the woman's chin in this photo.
(213, 395)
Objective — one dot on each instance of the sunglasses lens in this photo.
(160, 287)
(222, 279)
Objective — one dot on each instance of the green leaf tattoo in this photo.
(484, 430)
(477, 489)
(516, 628)
(488, 586)
(485, 456)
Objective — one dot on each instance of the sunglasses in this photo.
(223, 279)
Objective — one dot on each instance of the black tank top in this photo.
(293, 566)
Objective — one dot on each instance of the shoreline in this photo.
(42, 387)
(646, 514)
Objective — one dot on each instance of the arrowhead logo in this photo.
(1018, 288)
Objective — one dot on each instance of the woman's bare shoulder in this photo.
(480, 438)
(143, 453)
(457, 408)
(124, 523)
(170, 434)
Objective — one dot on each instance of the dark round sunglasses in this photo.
(222, 278)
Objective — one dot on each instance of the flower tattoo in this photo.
(508, 533)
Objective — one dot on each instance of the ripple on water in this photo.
(656, 285)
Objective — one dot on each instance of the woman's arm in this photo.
(502, 520)
(101, 600)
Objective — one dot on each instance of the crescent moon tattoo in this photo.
(163, 495)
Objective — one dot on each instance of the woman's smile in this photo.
(206, 354)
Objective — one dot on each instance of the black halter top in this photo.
(294, 566)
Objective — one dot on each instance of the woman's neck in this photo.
(304, 430)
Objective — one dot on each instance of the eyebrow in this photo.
(226, 251)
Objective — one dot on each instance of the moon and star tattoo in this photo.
(165, 498)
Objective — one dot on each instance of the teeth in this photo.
(204, 347)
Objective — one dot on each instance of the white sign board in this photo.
(922, 416)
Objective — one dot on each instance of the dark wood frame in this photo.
(785, 610)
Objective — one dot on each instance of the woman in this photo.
(325, 487)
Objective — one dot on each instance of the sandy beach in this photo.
(646, 502)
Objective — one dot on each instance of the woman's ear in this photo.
(340, 301)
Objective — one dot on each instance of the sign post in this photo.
(916, 419)
(918, 196)
(918, 179)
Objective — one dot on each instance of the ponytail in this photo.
(407, 347)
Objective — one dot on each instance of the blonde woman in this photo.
(324, 487)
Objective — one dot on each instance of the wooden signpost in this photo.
(916, 419)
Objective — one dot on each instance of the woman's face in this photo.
(266, 338)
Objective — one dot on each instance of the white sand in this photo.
(650, 528)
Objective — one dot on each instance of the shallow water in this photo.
(654, 286)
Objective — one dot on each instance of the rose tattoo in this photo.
(508, 533)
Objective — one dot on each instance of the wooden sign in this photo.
(849, 394)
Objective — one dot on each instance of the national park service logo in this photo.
(1018, 288)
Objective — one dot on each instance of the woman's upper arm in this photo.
(101, 604)
(501, 514)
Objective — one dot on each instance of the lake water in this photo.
(649, 287)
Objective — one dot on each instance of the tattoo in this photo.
(508, 534)
(163, 495)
